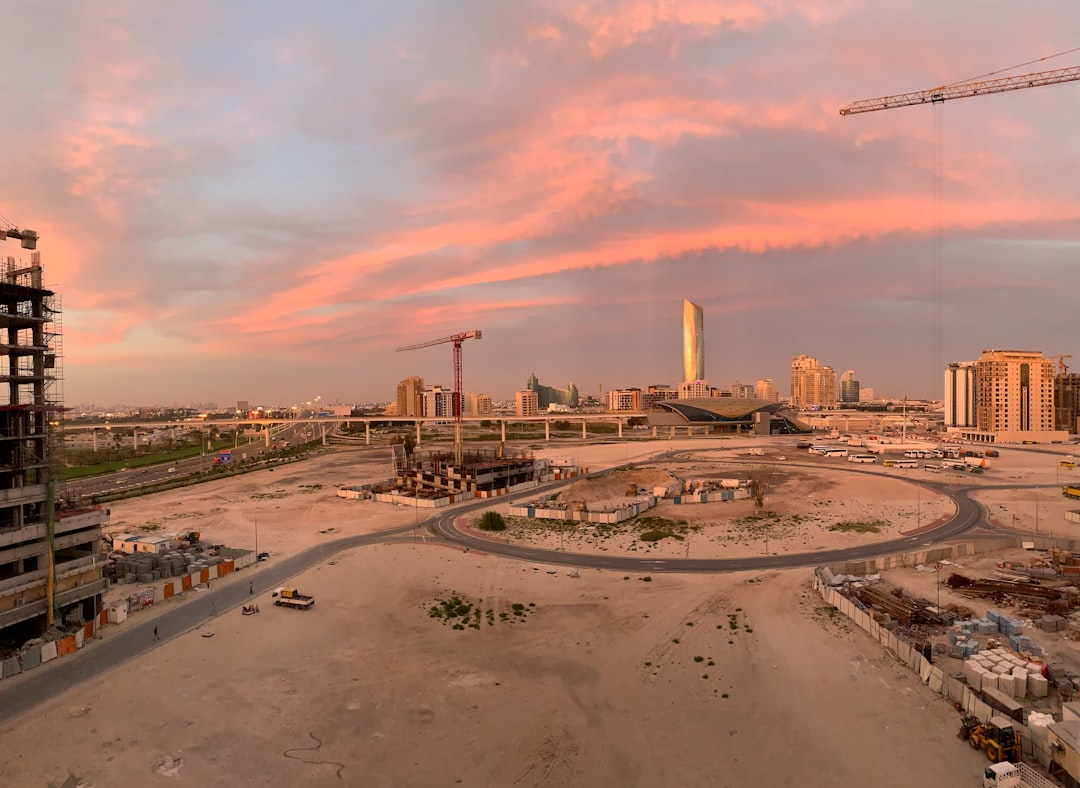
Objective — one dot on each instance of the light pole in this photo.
(256, 538)
(1036, 510)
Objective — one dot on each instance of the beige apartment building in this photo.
(526, 403)
(624, 400)
(1013, 398)
(812, 385)
(766, 389)
(410, 397)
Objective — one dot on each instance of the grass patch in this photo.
(859, 527)
(491, 521)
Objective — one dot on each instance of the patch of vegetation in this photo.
(460, 614)
(860, 527)
(654, 536)
(675, 640)
(699, 659)
(150, 527)
(491, 521)
(646, 579)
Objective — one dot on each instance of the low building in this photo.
(144, 543)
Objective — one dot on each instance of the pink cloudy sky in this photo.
(261, 200)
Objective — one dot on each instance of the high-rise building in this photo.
(1066, 401)
(960, 394)
(50, 558)
(410, 397)
(743, 390)
(766, 389)
(526, 403)
(693, 328)
(812, 385)
(658, 392)
(849, 388)
(624, 399)
(477, 405)
(1014, 397)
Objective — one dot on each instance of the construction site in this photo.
(50, 562)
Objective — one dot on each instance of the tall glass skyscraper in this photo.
(693, 322)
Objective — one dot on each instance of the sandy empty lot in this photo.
(599, 684)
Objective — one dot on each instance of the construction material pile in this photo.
(900, 606)
(1050, 599)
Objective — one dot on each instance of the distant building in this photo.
(742, 390)
(693, 342)
(243, 406)
(624, 399)
(694, 389)
(849, 388)
(1066, 401)
(866, 394)
(410, 397)
(438, 404)
(812, 385)
(526, 403)
(960, 394)
(657, 393)
(1014, 398)
(766, 389)
(549, 395)
(477, 405)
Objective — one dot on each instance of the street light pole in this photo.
(256, 537)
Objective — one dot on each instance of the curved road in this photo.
(19, 695)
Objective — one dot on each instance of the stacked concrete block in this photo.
(1038, 687)
(1052, 624)
(985, 626)
(1019, 682)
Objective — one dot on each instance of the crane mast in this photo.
(964, 90)
(455, 340)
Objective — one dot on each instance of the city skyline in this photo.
(220, 211)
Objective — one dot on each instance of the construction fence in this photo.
(40, 653)
(1035, 749)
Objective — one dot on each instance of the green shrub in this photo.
(491, 521)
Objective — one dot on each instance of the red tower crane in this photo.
(456, 340)
(29, 238)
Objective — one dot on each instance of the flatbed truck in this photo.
(290, 597)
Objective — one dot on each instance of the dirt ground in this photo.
(599, 683)
(806, 506)
(594, 681)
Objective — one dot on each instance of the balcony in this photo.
(19, 495)
(28, 533)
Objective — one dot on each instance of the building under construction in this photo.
(50, 559)
(435, 474)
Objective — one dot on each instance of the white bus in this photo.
(834, 452)
(906, 464)
(818, 448)
(862, 458)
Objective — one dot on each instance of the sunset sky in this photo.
(252, 199)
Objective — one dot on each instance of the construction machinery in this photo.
(290, 597)
(1070, 491)
(190, 537)
(997, 738)
(456, 340)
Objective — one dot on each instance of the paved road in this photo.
(19, 695)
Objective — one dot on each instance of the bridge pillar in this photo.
(94, 433)
(135, 441)
(654, 432)
(367, 433)
(583, 436)
(672, 433)
(324, 434)
(689, 432)
(502, 424)
(268, 436)
(547, 430)
(418, 432)
(620, 428)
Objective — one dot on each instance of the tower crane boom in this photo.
(29, 238)
(964, 90)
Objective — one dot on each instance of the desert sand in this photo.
(602, 679)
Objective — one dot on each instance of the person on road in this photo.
(251, 587)
(213, 608)
(156, 638)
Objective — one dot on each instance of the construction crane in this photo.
(1062, 366)
(29, 238)
(456, 340)
(964, 90)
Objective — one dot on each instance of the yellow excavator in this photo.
(189, 537)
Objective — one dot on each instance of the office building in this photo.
(866, 394)
(526, 403)
(410, 397)
(812, 384)
(694, 389)
(438, 403)
(657, 393)
(50, 557)
(849, 388)
(549, 395)
(742, 390)
(477, 405)
(693, 326)
(960, 394)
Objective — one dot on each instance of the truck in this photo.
(290, 597)
(1014, 775)
(1069, 491)
(991, 453)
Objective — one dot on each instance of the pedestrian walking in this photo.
(213, 608)
(156, 638)
(251, 587)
